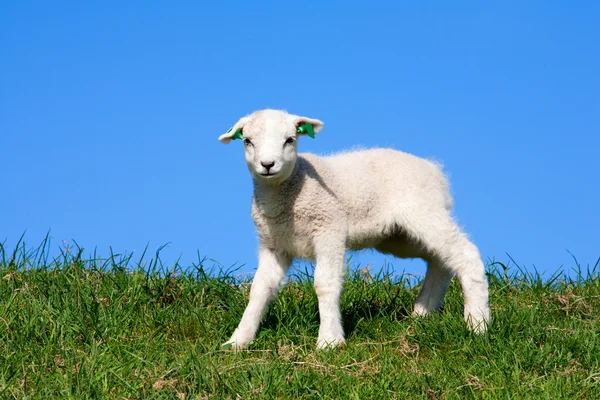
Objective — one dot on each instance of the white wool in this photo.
(317, 207)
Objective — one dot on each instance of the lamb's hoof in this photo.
(478, 319)
(236, 343)
(234, 346)
(330, 343)
(421, 311)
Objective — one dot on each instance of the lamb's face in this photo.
(270, 143)
(270, 147)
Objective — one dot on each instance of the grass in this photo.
(75, 327)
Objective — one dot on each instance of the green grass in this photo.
(73, 327)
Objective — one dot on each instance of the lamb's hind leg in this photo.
(448, 244)
(437, 278)
(435, 285)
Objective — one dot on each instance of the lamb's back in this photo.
(367, 180)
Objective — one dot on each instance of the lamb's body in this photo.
(316, 208)
(374, 195)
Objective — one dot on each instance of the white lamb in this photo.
(316, 208)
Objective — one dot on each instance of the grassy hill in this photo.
(107, 328)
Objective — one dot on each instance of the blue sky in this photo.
(110, 113)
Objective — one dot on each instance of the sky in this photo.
(110, 114)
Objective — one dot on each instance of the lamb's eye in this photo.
(247, 142)
(289, 140)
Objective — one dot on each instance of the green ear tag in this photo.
(237, 135)
(308, 129)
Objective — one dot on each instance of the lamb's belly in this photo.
(365, 235)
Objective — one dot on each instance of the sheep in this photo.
(317, 207)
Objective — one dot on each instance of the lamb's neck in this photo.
(272, 199)
(269, 191)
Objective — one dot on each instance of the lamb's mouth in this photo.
(268, 174)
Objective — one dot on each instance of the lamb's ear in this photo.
(308, 126)
(235, 132)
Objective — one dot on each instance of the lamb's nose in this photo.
(267, 164)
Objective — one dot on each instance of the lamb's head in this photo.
(270, 142)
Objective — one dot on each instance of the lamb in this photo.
(313, 207)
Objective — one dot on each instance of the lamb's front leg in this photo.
(329, 280)
(272, 266)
